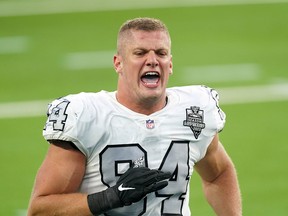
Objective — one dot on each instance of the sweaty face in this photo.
(144, 64)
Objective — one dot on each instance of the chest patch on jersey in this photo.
(150, 124)
(195, 120)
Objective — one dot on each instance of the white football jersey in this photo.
(114, 138)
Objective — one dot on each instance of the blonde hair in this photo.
(140, 24)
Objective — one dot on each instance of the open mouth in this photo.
(150, 79)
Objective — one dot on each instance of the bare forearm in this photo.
(223, 194)
(60, 204)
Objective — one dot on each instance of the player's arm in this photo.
(59, 178)
(219, 180)
(57, 182)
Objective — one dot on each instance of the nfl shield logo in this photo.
(150, 124)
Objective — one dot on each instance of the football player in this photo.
(133, 151)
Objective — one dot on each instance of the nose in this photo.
(152, 59)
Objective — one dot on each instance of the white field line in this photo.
(35, 7)
(13, 44)
(253, 94)
(89, 60)
(23, 109)
(221, 73)
(231, 95)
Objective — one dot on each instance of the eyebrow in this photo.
(144, 49)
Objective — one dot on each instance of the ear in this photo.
(117, 63)
(171, 66)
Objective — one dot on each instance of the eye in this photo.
(162, 53)
(139, 52)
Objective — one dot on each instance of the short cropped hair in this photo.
(141, 24)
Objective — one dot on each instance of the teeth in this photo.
(151, 74)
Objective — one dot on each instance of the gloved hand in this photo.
(136, 183)
(131, 187)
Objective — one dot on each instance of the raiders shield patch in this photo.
(194, 120)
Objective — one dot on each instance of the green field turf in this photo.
(255, 133)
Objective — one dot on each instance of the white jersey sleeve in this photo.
(218, 117)
(69, 119)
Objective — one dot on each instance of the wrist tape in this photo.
(103, 201)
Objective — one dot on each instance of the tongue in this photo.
(150, 80)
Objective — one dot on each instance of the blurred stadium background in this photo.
(53, 48)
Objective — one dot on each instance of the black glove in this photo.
(131, 187)
(136, 183)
